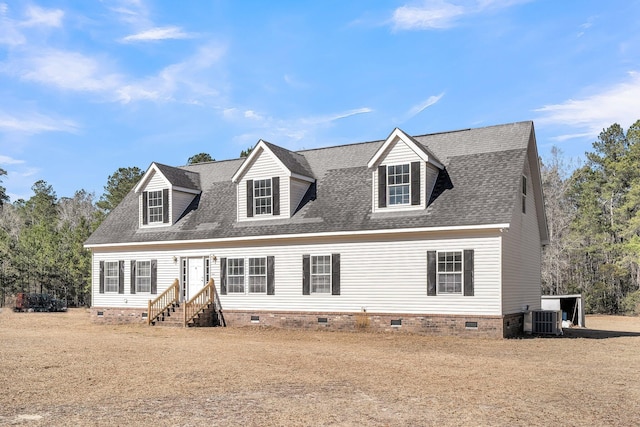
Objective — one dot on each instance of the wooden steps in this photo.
(174, 317)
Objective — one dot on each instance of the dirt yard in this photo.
(59, 369)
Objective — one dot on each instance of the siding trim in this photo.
(503, 226)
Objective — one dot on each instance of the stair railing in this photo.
(199, 302)
(163, 301)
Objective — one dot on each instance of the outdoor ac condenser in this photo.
(546, 322)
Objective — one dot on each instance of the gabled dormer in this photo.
(164, 193)
(271, 183)
(403, 174)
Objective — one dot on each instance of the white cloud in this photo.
(291, 133)
(132, 12)
(618, 103)
(441, 14)
(37, 16)
(72, 71)
(35, 123)
(6, 160)
(346, 114)
(64, 70)
(178, 82)
(157, 33)
(250, 114)
(417, 109)
(433, 14)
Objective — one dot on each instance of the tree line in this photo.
(42, 238)
(593, 215)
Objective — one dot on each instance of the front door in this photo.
(195, 277)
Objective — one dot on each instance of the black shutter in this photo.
(101, 277)
(415, 183)
(382, 186)
(271, 289)
(223, 275)
(468, 272)
(306, 275)
(133, 276)
(431, 273)
(249, 198)
(335, 274)
(275, 194)
(165, 205)
(154, 276)
(121, 277)
(145, 217)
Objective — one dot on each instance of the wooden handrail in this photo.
(199, 302)
(163, 301)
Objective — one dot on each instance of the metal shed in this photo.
(571, 306)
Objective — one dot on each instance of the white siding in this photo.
(386, 274)
(522, 255)
(298, 190)
(167, 272)
(179, 202)
(400, 153)
(264, 166)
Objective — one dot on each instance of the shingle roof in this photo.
(478, 186)
(293, 161)
(180, 177)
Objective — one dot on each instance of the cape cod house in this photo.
(438, 233)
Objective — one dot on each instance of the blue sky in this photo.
(87, 87)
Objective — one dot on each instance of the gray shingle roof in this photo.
(293, 161)
(180, 177)
(478, 186)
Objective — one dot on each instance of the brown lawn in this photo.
(59, 369)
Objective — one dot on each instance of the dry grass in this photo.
(59, 369)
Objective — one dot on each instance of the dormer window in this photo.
(398, 180)
(262, 196)
(155, 207)
(154, 203)
(399, 185)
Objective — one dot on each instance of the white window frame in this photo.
(155, 212)
(324, 275)
(236, 272)
(111, 282)
(262, 197)
(405, 198)
(450, 271)
(259, 276)
(140, 278)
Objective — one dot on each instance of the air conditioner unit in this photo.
(545, 322)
